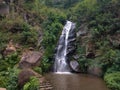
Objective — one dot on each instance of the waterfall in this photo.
(61, 58)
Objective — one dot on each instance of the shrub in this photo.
(46, 64)
(3, 81)
(8, 76)
(9, 62)
(115, 63)
(12, 83)
(113, 80)
(83, 62)
(38, 70)
(29, 37)
(52, 29)
(33, 84)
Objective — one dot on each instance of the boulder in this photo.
(97, 71)
(75, 66)
(30, 59)
(76, 57)
(25, 75)
(115, 40)
(4, 8)
(82, 30)
(10, 48)
(2, 88)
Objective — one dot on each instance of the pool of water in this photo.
(75, 82)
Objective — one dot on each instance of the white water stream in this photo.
(61, 64)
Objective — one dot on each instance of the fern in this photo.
(33, 84)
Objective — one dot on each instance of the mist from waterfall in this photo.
(61, 59)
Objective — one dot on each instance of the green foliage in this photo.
(46, 64)
(3, 40)
(61, 3)
(115, 63)
(38, 70)
(104, 24)
(83, 11)
(33, 84)
(9, 62)
(101, 16)
(52, 28)
(17, 30)
(33, 6)
(29, 37)
(106, 20)
(8, 23)
(8, 76)
(3, 80)
(12, 83)
(113, 80)
(83, 62)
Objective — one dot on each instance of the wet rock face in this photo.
(75, 66)
(82, 30)
(71, 41)
(90, 50)
(97, 71)
(30, 59)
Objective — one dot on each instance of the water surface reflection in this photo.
(75, 82)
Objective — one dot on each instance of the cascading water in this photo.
(61, 57)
